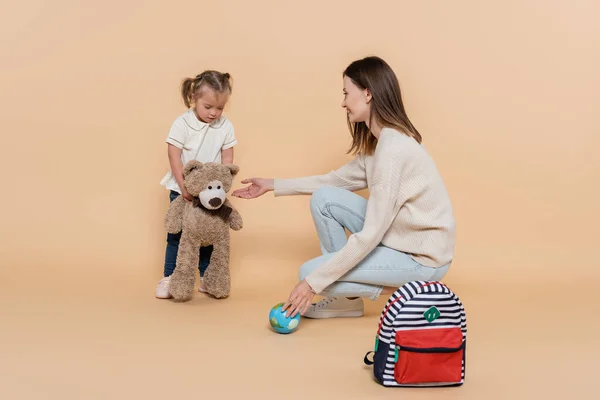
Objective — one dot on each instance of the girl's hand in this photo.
(300, 299)
(186, 195)
(258, 187)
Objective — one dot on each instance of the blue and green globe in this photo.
(280, 323)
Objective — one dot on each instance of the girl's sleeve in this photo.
(230, 139)
(178, 134)
(350, 176)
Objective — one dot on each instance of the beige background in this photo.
(506, 95)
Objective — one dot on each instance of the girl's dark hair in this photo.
(377, 76)
(218, 81)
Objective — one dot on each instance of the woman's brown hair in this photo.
(218, 81)
(387, 109)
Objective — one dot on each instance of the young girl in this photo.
(202, 133)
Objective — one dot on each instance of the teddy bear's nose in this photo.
(215, 202)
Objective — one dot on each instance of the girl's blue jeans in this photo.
(173, 247)
(334, 210)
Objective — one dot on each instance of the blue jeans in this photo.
(334, 210)
(173, 247)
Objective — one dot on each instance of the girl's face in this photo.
(356, 102)
(209, 104)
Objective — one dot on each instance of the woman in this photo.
(404, 232)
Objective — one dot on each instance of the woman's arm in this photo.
(351, 176)
(381, 211)
(382, 208)
(393, 182)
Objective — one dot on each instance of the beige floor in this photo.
(82, 336)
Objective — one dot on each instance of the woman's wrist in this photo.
(310, 287)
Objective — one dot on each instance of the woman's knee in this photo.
(322, 196)
(309, 266)
(304, 271)
(440, 272)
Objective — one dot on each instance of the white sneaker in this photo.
(162, 290)
(200, 286)
(336, 307)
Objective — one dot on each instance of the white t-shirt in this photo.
(198, 141)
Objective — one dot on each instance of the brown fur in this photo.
(202, 227)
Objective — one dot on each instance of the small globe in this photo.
(280, 323)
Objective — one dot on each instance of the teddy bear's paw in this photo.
(220, 291)
(181, 288)
(173, 227)
(181, 293)
(219, 294)
(236, 225)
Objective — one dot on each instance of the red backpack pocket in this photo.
(429, 356)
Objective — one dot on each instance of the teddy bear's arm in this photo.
(174, 217)
(235, 219)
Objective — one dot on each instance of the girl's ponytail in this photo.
(187, 90)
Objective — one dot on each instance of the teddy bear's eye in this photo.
(218, 187)
(210, 188)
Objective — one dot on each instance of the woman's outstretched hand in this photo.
(257, 187)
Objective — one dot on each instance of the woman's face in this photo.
(356, 102)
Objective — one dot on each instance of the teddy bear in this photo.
(204, 221)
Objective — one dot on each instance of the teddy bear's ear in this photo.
(190, 166)
(234, 169)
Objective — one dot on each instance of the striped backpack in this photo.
(421, 338)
